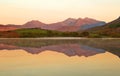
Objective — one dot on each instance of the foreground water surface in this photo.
(59, 57)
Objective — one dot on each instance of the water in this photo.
(59, 57)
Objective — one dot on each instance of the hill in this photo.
(111, 29)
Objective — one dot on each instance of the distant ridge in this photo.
(71, 24)
(68, 25)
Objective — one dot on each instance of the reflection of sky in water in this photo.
(58, 60)
(56, 64)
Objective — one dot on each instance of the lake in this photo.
(59, 57)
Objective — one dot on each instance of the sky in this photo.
(50, 11)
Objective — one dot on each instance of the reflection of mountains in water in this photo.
(67, 49)
(77, 47)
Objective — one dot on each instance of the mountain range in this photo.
(68, 25)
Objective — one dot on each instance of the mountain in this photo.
(30, 24)
(73, 25)
(111, 29)
(87, 23)
(57, 26)
(70, 21)
(33, 24)
(70, 25)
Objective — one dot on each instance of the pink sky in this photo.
(50, 11)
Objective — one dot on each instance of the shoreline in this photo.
(60, 38)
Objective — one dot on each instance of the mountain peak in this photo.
(70, 19)
(87, 18)
(33, 24)
(79, 19)
(34, 21)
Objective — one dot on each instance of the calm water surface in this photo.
(59, 57)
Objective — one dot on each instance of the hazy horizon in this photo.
(50, 11)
